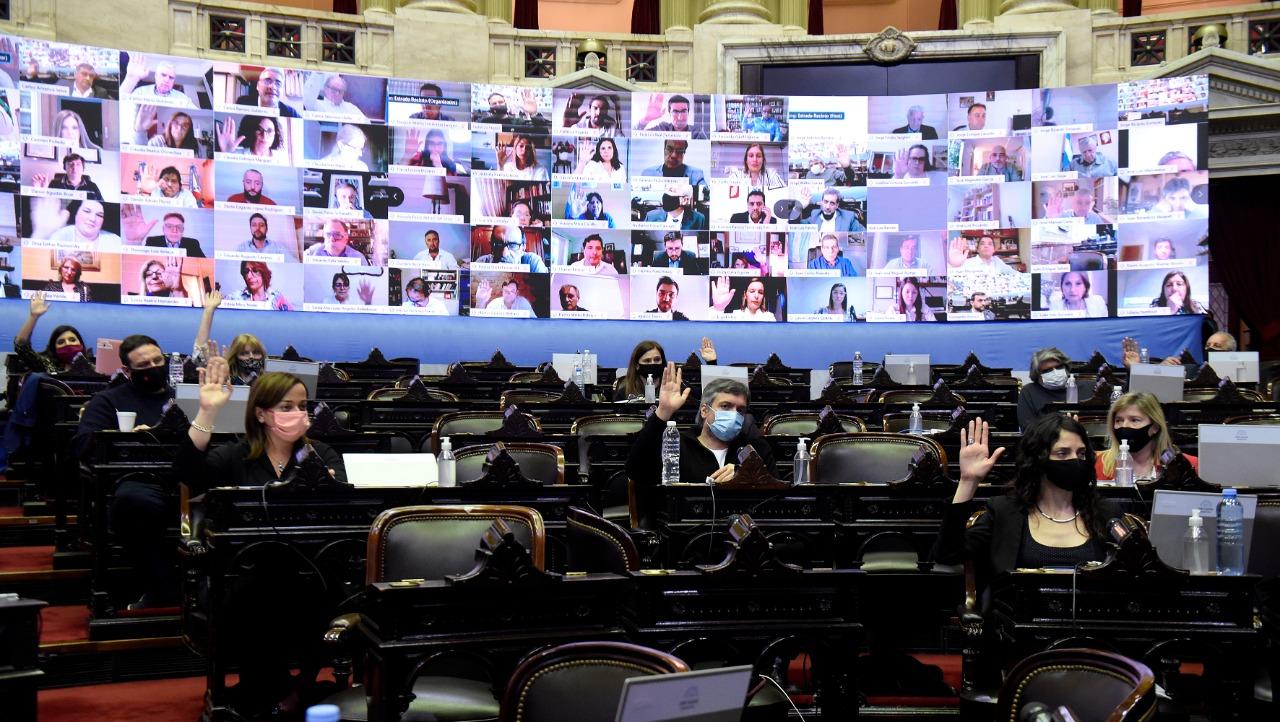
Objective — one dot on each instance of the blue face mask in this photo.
(726, 425)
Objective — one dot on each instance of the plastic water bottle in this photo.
(1144, 356)
(1073, 393)
(650, 394)
(448, 465)
(800, 466)
(857, 368)
(586, 366)
(1230, 534)
(175, 369)
(1116, 392)
(671, 454)
(911, 374)
(1195, 545)
(579, 378)
(915, 425)
(1124, 465)
(324, 713)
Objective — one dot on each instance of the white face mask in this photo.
(1055, 379)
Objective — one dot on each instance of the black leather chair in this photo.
(889, 551)
(391, 393)
(598, 545)
(607, 455)
(524, 397)
(871, 457)
(898, 421)
(431, 542)
(805, 423)
(541, 462)
(580, 681)
(914, 396)
(474, 423)
(1093, 684)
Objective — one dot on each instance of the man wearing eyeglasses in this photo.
(915, 124)
(336, 244)
(267, 93)
(333, 99)
(173, 225)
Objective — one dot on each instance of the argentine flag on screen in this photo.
(1066, 152)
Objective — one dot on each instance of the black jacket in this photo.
(100, 413)
(228, 465)
(644, 463)
(190, 245)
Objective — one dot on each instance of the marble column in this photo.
(727, 12)
(500, 10)
(1105, 8)
(446, 6)
(386, 6)
(1022, 7)
(676, 15)
(974, 12)
(793, 15)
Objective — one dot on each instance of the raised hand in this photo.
(228, 141)
(957, 251)
(976, 461)
(1053, 206)
(1131, 351)
(900, 163)
(670, 394)
(47, 216)
(40, 180)
(139, 67)
(148, 179)
(708, 351)
(133, 226)
(722, 293)
(147, 120)
(212, 300)
(843, 157)
(654, 110)
(173, 273)
(528, 102)
(39, 306)
(215, 384)
(412, 144)
(365, 291)
(484, 292)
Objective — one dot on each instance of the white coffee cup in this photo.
(126, 419)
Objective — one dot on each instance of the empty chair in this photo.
(914, 396)
(1093, 684)
(805, 423)
(598, 545)
(871, 457)
(476, 423)
(521, 397)
(392, 393)
(539, 462)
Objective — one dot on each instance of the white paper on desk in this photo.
(433, 369)
(710, 373)
(563, 364)
(818, 380)
(381, 470)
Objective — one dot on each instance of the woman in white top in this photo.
(86, 227)
(605, 163)
(755, 170)
(755, 305)
(910, 303)
(521, 158)
(1075, 287)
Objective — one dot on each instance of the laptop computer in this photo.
(308, 371)
(1240, 454)
(1239, 366)
(1169, 512)
(1165, 382)
(709, 695)
(230, 418)
(899, 366)
(389, 470)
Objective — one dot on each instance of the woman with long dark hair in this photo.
(1175, 295)
(65, 341)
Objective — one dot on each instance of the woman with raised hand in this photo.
(65, 341)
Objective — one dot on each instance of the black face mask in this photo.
(1070, 475)
(670, 203)
(250, 367)
(645, 370)
(1138, 438)
(149, 380)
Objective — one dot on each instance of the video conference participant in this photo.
(976, 116)
(341, 287)
(173, 225)
(594, 210)
(829, 217)
(605, 163)
(1081, 206)
(177, 133)
(909, 302)
(915, 124)
(348, 148)
(72, 179)
(595, 116)
(433, 256)
(677, 207)
(431, 152)
(1175, 197)
(430, 111)
(912, 163)
(68, 281)
(764, 122)
(65, 341)
(980, 303)
(83, 85)
(274, 442)
(755, 170)
(257, 286)
(673, 165)
(754, 305)
(592, 261)
(521, 158)
(1137, 417)
(163, 91)
(1048, 374)
(88, 218)
(829, 258)
(521, 214)
(674, 255)
(510, 298)
(668, 290)
(346, 197)
(1175, 295)
(998, 164)
(707, 454)
(529, 117)
(69, 126)
(258, 241)
(1052, 517)
(337, 237)
(838, 304)
(140, 511)
(1089, 163)
(333, 99)
(167, 183)
(1077, 295)
(163, 279)
(507, 245)
(252, 186)
(676, 118)
(417, 294)
(984, 261)
(261, 136)
(908, 255)
(757, 210)
(569, 297)
(267, 93)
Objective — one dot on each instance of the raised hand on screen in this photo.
(722, 293)
(484, 292)
(133, 226)
(228, 140)
(365, 291)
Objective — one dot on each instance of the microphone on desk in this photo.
(1119, 530)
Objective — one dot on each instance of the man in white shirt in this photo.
(908, 256)
(434, 258)
(592, 260)
(510, 299)
(333, 99)
(985, 261)
(162, 92)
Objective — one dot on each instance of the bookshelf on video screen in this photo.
(157, 180)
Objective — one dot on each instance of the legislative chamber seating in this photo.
(1091, 684)
(525, 438)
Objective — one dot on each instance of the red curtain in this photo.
(815, 17)
(1244, 256)
(645, 18)
(1132, 8)
(346, 6)
(947, 17)
(526, 15)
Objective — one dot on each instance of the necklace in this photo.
(279, 465)
(1068, 520)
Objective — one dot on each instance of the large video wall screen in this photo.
(155, 180)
